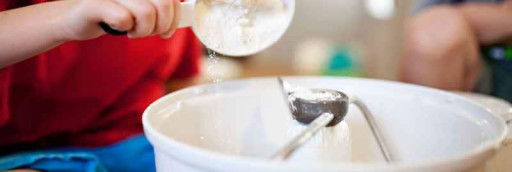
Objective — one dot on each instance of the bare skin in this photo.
(28, 31)
(442, 43)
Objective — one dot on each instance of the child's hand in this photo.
(140, 18)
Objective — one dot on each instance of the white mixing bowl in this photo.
(237, 125)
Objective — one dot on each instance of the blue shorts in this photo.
(134, 154)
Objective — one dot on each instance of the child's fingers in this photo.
(165, 15)
(116, 16)
(145, 17)
(175, 21)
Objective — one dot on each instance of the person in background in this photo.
(463, 45)
(72, 97)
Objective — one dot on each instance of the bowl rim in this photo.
(188, 153)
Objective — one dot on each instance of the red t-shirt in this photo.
(88, 93)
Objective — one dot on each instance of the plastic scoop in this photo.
(319, 108)
(193, 11)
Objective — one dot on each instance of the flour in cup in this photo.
(240, 26)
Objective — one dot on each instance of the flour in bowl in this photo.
(308, 94)
(240, 26)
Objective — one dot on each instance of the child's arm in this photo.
(27, 31)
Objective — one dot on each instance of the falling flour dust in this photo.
(212, 72)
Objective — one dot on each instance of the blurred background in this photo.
(363, 39)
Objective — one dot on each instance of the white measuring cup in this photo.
(193, 11)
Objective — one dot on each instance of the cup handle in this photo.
(187, 14)
(186, 20)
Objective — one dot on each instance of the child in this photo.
(71, 97)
